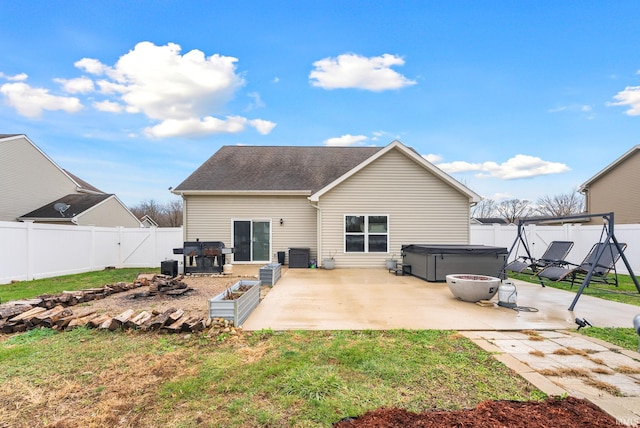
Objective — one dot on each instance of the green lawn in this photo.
(269, 379)
(624, 337)
(28, 289)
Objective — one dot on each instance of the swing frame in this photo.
(611, 237)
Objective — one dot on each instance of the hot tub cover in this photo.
(453, 249)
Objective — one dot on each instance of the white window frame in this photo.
(365, 233)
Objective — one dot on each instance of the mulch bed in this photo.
(553, 412)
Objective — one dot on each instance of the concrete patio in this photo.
(373, 299)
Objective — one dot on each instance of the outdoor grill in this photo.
(203, 256)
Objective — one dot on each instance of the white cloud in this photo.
(432, 158)
(257, 101)
(501, 196)
(585, 109)
(195, 127)
(30, 102)
(356, 71)
(162, 84)
(346, 140)
(107, 87)
(91, 66)
(519, 166)
(108, 106)
(16, 78)
(180, 92)
(264, 127)
(79, 85)
(630, 96)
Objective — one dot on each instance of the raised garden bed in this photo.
(237, 302)
(270, 274)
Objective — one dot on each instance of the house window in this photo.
(366, 233)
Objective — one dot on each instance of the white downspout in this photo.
(318, 231)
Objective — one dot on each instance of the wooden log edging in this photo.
(56, 312)
(64, 319)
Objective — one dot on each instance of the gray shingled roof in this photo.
(78, 203)
(275, 168)
(83, 183)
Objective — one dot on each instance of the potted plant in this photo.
(392, 263)
(329, 263)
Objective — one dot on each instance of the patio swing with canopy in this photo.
(610, 243)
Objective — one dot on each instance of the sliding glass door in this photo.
(252, 240)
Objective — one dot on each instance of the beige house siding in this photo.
(617, 191)
(28, 179)
(109, 213)
(210, 218)
(422, 209)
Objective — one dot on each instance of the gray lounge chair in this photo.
(570, 272)
(555, 254)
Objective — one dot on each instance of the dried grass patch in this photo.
(602, 370)
(565, 372)
(533, 335)
(537, 353)
(120, 394)
(596, 360)
(627, 370)
(571, 351)
(251, 354)
(604, 386)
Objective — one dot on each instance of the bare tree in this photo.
(168, 214)
(513, 210)
(484, 209)
(173, 210)
(560, 205)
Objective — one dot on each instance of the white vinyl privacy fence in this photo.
(33, 250)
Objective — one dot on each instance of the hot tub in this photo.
(433, 262)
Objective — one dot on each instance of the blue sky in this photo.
(516, 99)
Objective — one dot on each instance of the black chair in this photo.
(555, 254)
(601, 268)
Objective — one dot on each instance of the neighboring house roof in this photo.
(76, 205)
(274, 168)
(83, 185)
(310, 170)
(489, 220)
(148, 221)
(23, 190)
(608, 169)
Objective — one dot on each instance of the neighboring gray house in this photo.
(356, 204)
(616, 189)
(34, 188)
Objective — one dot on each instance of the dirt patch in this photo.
(194, 302)
(554, 412)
